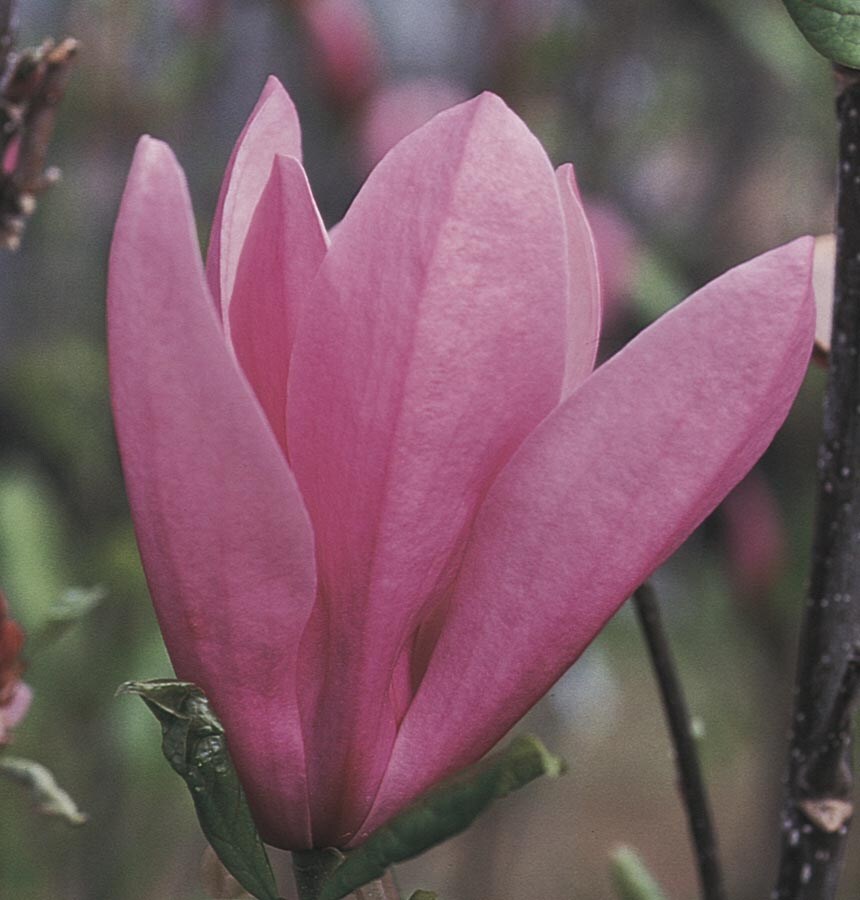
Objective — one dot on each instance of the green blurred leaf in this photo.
(52, 800)
(442, 812)
(33, 544)
(658, 287)
(423, 895)
(631, 878)
(194, 744)
(831, 26)
(71, 606)
(54, 394)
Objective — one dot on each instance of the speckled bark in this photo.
(818, 804)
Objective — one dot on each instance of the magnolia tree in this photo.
(384, 497)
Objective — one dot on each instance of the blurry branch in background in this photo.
(818, 804)
(51, 799)
(631, 878)
(216, 879)
(7, 30)
(68, 609)
(32, 84)
(686, 756)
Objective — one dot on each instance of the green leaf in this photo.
(831, 26)
(442, 812)
(631, 878)
(194, 744)
(52, 800)
(423, 895)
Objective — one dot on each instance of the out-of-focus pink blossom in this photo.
(10, 157)
(381, 498)
(615, 243)
(15, 696)
(200, 16)
(345, 44)
(397, 109)
(518, 19)
(755, 536)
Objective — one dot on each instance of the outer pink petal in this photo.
(435, 346)
(272, 128)
(223, 534)
(285, 245)
(583, 328)
(600, 495)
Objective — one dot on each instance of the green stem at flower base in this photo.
(311, 868)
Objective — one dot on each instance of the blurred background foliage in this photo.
(702, 132)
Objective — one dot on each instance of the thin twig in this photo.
(818, 805)
(38, 125)
(8, 23)
(32, 84)
(687, 759)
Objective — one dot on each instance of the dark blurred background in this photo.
(703, 134)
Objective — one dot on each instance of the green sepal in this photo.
(831, 26)
(631, 878)
(442, 812)
(50, 798)
(194, 744)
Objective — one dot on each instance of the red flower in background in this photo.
(14, 694)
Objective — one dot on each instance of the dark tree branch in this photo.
(818, 805)
(689, 771)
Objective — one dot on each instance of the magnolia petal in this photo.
(583, 324)
(598, 497)
(285, 245)
(435, 346)
(222, 530)
(271, 129)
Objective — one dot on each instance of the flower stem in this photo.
(312, 867)
(818, 808)
(310, 870)
(692, 785)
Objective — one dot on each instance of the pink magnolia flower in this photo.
(381, 498)
(15, 696)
